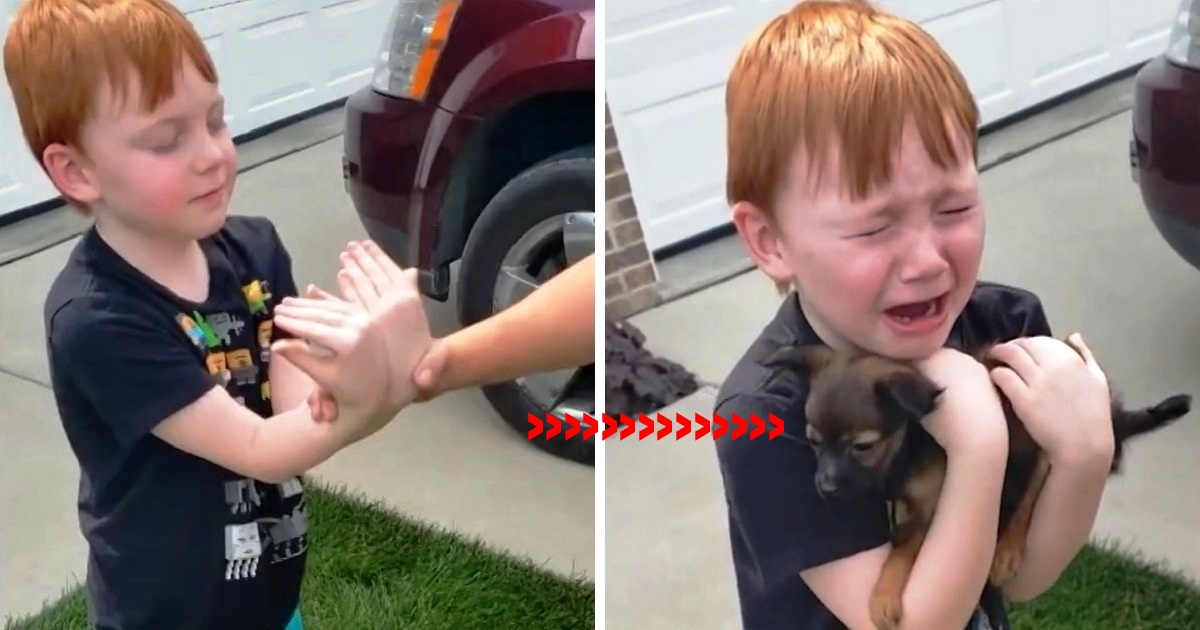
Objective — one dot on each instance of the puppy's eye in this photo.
(863, 447)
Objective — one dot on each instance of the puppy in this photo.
(864, 423)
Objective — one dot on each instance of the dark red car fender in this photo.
(554, 54)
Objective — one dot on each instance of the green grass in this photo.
(369, 568)
(1110, 588)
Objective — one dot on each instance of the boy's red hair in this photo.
(839, 76)
(59, 55)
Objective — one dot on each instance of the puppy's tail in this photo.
(1130, 423)
(1127, 424)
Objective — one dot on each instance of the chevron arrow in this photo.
(574, 427)
(720, 427)
(610, 427)
(647, 426)
(537, 426)
(666, 427)
(739, 427)
(630, 426)
(592, 426)
(776, 427)
(759, 427)
(702, 429)
(555, 426)
(685, 426)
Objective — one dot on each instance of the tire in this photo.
(542, 195)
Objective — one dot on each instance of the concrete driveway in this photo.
(451, 462)
(1064, 221)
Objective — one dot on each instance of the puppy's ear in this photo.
(810, 360)
(907, 394)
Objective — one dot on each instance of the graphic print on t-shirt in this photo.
(236, 347)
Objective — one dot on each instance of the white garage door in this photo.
(276, 58)
(668, 60)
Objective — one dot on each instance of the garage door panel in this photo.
(976, 38)
(211, 25)
(923, 11)
(276, 44)
(679, 160)
(1146, 26)
(348, 65)
(637, 43)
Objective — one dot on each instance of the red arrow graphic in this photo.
(739, 427)
(555, 426)
(610, 427)
(776, 427)
(647, 427)
(589, 426)
(630, 425)
(574, 430)
(759, 427)
(685, 429)
(721, 427)
(666, 426)
(592, 426)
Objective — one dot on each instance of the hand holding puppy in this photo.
(968, 418)
(1060, 394)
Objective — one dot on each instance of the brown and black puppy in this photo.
(864, 423)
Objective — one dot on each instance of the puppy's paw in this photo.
(886, 610)
(1006, 563)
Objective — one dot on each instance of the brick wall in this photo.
(631, 279)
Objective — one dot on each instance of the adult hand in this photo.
(427, 376)
(968, 418)
(374, 287)
(321, 404)
(1060, 394)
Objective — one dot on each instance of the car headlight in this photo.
(411, 47)
(1183, 46)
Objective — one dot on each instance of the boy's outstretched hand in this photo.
(1060, 394)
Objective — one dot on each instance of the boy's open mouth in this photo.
(918, 315)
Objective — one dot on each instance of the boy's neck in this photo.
(178, 265)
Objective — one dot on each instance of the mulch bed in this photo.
(635, 380)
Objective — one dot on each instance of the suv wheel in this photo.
(540, 223)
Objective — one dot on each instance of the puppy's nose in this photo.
(826, 487)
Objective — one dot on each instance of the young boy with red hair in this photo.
(852, 175)
(190, 435)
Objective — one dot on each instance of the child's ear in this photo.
(762, 241)
(909, 394)
(68, 171)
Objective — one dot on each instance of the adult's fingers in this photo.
(346, 286)
(1048, 350)
(394, 271)
(367, 293)
(374, 271)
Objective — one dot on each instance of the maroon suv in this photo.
(476, 141)
(1165, 148)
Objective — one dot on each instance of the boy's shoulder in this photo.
(96, 290)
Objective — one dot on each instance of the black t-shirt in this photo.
(778, 524)
(175, 541)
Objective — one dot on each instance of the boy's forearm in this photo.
(953, 564)
(552, 328)
(1062, 523)
(291, 443)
